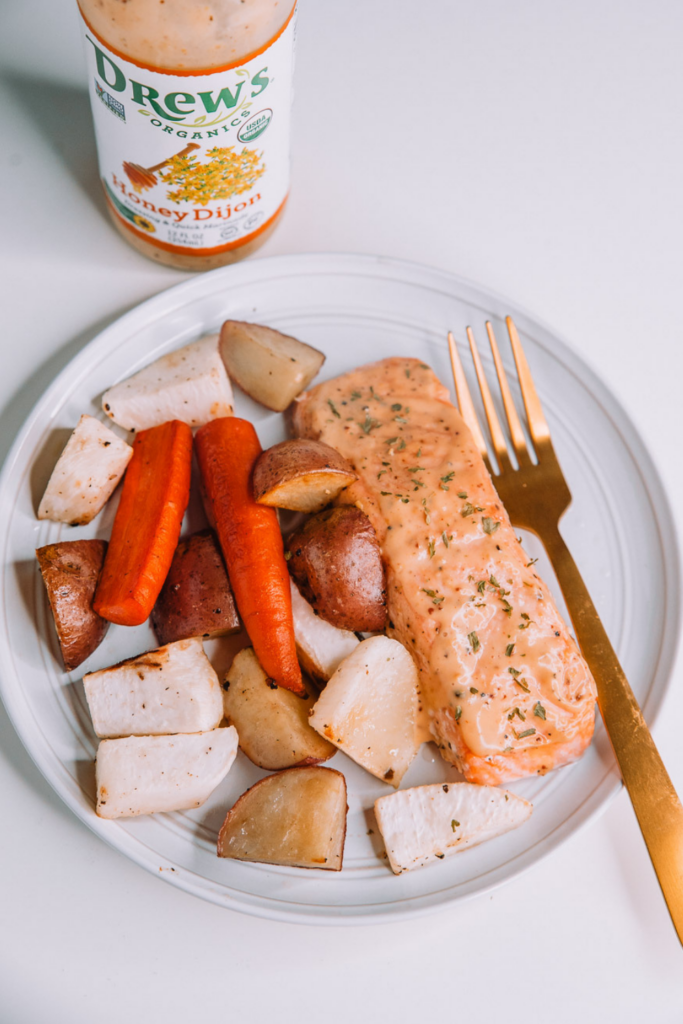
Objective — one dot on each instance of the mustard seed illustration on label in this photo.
(227, 174)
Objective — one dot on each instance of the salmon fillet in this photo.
(504, 685)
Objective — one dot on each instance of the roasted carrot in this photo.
(146, 529)
(250, 537)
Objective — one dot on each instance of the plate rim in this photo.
(367, 265)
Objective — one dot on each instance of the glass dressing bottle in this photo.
(191, 102)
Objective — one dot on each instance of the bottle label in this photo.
(194, 162)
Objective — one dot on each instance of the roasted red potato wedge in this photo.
(70, 570)
(272, 723)
(271, 367)
(301, 475)
(196, 599)
(335, 561)
(296, 818)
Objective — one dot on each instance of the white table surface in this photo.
(533, 147)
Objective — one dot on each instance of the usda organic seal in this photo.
(255, 126)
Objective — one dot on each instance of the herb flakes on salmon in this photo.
(506, 689)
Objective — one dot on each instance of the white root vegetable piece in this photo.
(86, 474)
(149, 774)
(188, 384)
(173, 689)
(296, 818)
(428, 822)
(321, 646)
(272, 722)
(369, 708)
(272, 368)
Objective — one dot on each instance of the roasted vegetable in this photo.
(172, 689)
(86, 474)
(251, 542)
(320, 646)
(70, 571)
(147, 524)
(336, 563)
(272, 722)
(301, 475)
(148, 774)
(271, 367)
(297, 818)
(189, 384)
(429, 822)
(369, 708)
(196, 599)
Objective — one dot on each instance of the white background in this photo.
(534, 147)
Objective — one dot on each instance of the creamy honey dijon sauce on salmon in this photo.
(505, 687)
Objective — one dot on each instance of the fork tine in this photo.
(514, 425)
(538, 428)
(497, 435)
(464, 398)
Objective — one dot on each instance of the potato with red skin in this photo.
(336, 562)
(70, 571)
(301, 475)
(196, 599)
(296, 818)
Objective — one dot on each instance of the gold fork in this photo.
(536, 496)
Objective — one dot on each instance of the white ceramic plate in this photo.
(356, 309)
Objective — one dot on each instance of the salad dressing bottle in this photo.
(191, 102)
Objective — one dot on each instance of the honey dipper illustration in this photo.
(144, 177)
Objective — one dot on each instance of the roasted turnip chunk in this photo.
(148, 774)
(320, 646)
(188, 384)
(271, 367)
(296, 818)
(369, 708)
(432, 822)
(86, 474)
(172, 689)
(272, 722)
